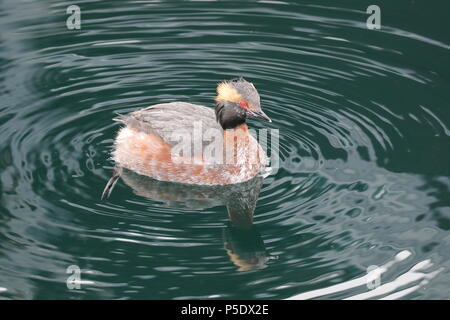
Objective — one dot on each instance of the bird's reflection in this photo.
(242, 241)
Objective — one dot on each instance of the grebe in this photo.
(147, 143)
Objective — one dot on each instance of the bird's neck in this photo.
(236, 144)
(239, 132)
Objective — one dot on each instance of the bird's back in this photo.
(169, 120)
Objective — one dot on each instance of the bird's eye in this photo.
(243, 104)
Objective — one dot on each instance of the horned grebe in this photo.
(147, 143)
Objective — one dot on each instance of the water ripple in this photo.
(343, 198)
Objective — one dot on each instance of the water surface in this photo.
(364, 151)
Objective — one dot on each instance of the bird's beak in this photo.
(259, 114)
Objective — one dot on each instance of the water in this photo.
(364, 148)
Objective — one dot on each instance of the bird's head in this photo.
(236, 100)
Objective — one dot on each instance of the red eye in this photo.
(243, 104)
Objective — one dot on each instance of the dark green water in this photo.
(364, 148)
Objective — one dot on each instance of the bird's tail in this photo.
(117, 171)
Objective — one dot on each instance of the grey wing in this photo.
(170, 120)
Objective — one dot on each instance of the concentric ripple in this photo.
(364, 136)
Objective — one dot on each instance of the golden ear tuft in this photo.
(226, 92)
